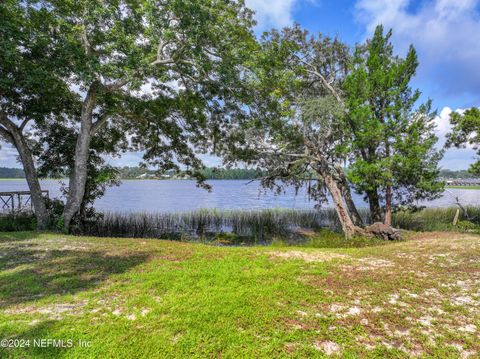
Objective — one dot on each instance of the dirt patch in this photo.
(328, 347)
(52, 311)
(309, 256)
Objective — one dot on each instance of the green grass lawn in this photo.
(132, 298)
(464, 187)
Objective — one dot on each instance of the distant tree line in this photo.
(230, 173)
(127, 172)
(207, 173)
(451, 174)
(6, 172)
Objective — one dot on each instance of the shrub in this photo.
(18, 222)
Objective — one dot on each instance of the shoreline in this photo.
(463, 187)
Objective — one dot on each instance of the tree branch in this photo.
(99, 123)
(6, 135)
(162, 59)
(7, 123)
(23, 124)
(326, 83)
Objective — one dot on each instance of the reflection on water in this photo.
(183, 195)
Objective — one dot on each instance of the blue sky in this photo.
(446, 34)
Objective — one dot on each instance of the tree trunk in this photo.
(388, 206)
(17, 139)
(374, 203)
(388, 192)
(78, 177)
(348, 227)
(356, 218)
(347, 195)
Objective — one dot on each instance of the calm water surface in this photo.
(183, 195)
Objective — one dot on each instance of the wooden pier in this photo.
(17, 201)
(463, 182)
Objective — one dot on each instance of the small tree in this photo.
(466, 130)
(392, 150)
(185, 50)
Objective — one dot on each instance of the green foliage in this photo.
(207, 173)
(127, 172)
(452, 174)
(230, 173)
(180, 300)
(189, 54)
(27, 221)
(156, 77)
(327, 238)
(293, 134)
(392, 141)
(32, 62)
(257, 225)
(17, 222)
(466, 130)
(436, 219)
(229, 239)
(468, 226)
(11, 173)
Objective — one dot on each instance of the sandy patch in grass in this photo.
(328, 347)
(52, 311)
(367, 264)
(308, 256)
(411, 297)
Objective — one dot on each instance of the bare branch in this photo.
(312, 70)
(86, 43)
(23, 124)
(116, 85)
(84, 36)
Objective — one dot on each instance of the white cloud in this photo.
(443, 124)
(446, 34)
(272, 13)
(455, 159)
(442, 121)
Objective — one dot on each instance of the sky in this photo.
(445, 33)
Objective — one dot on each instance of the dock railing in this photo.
(17, 201)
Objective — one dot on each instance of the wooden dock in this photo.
(17, 201)
(463, 182)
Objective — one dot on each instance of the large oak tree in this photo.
(164, 74)
(295, 133)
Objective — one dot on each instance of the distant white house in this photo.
(146, 176)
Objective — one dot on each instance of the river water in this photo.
(183, 195)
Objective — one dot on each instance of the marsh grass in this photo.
(256, 224)
(241, 226)
(436, 219)
(326, 238)
(14, 223)
(260, 226)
